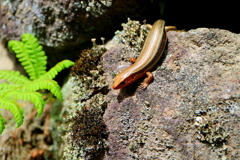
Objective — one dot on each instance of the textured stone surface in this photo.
(65, 27)
(64, 23)
(83, 126)
(191, 109)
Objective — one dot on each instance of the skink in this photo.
(152, 50)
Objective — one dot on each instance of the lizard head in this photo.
(123, 79)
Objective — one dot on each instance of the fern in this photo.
(18, 87)
(30, 54)
(57, 68)
(14, 107)
(13, 76)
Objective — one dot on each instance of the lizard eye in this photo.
(122, 83)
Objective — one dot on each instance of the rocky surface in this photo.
(190, 110)
(65, 27)
(64, 23)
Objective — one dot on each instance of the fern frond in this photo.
(14, 107)
(34, 97)
(2, 121)
(57, 68)
(13, 76)
(30, 54)
(35, 85)
(19, 87)
(5, 87)
(49, 84)
(16, 46)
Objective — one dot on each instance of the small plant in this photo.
(19, 87)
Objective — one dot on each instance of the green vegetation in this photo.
(19, 87)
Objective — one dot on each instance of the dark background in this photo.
(190, 14)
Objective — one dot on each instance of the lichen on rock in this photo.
(62, 24)
(132, 36)
(53, 20)
(87, 133)
(196, 79)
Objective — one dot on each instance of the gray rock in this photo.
(63, 23)
(199, 72)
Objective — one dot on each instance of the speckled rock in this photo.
(64, 23)
(84, 129)
(190, 110)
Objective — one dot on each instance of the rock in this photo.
(8, 60)
(66, 26)
(198, 72)
(65, 23)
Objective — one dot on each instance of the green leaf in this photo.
(49, 84)
(18, 87)
(2, 121)
(30, 54)
(14, 107)
(34, 97)
(5, 87)
(13, 76)
(57, 68)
